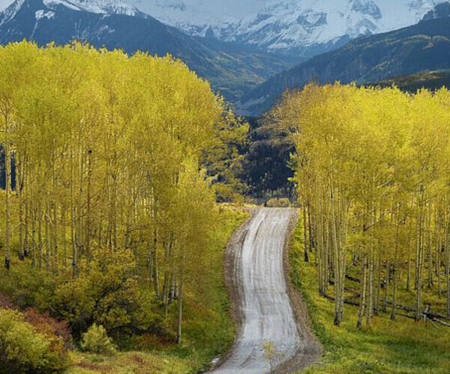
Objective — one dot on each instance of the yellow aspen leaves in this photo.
(108, 152)
(372, 173)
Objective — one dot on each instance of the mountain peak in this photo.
(290, 27)
(11, 11)
(96, 6)
(91, 6)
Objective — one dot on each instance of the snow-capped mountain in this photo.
(305, 27)
(97, 6)
(395, 56)
(91, 6)
(290, 27)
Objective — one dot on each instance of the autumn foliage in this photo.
(110, 197)
(372, 172)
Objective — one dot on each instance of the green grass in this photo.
(129, 363)
(401, 346)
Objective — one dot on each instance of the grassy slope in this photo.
(129, 363)
(402, 346)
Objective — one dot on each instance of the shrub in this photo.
(106, 292)
(96, 340)
(6, 302)
(51, 328)
(24, 286)
(24, 350)
(74, 302)
(227, 194)
(278, 203)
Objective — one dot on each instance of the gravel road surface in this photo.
(263, 308)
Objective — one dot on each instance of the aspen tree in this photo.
(109, 151)
(372, 171)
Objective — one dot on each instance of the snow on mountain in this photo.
(11, 11)
(91, 6)
(291, 27)
(423, 47)
(287, 26)
(440, 11)
(97, 6)
(199, 12)
(196, 17)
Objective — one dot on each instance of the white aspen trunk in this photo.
(8, 195)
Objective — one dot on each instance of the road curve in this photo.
(264, 307)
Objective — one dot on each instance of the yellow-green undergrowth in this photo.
(208, 327)
(129, 363)
(402, 346)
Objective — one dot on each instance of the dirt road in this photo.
(263, 305)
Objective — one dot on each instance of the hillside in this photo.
(432, 80)
(422, 47)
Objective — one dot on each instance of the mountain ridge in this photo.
(291, 27)
(422, 47)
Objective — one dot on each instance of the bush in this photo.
(6, 302)
(278, 203)
(51, 328)
(96, 340)
(227, 194)
(24, 350)
(105, 292)
(26, 286)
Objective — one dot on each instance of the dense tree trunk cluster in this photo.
(107, 152)
(373, 175)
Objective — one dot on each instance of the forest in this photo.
(112, 166)
(372, 170)
(113, 239)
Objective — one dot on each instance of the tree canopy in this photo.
(108, 152)
(372, 173)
